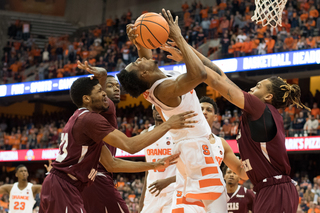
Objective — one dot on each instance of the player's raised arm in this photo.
(216, 78)
(98, 72)
(142, 51)
(195, 69)
(118, 165)
(134, 144)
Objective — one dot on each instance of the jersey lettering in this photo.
(233, 206)
(166, 151)
(246, 164)
(20, 197)
(219, 160)
(206, 150)
(63, 152)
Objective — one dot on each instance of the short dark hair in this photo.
(131, 83)
(18, 167)
(110, 76)
(284, 94)
(210, 101)
(80, 87)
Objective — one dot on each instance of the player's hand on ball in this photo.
(176, 54)
(167, 161)
(175, 31)
(131, 32)
(158, 185)
(181, 121)
(98, 72)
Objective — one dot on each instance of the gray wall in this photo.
(89, 12)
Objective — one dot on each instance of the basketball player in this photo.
(113, 89)
(94, 197)
(82, 148)
(21, 193)
(261, 136)
(161, 203)
(174, 95)
(241, 198)
(222, 152)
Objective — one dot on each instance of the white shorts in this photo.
(203, 179)
(160, 204)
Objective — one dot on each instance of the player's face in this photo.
(98, 99)
(231, 177)
(142, 64)
(156, 115)
(22, 174)
(113, 90)
(208, 112)
(261, 90)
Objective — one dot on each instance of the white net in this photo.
(269, 12)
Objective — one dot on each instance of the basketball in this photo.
(152, 29)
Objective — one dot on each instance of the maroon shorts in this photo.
(280, 198)
(102, 196)
(58, 195)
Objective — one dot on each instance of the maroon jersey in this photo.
(261, 140)
(241, 201)
(110, 115)
(80, 147)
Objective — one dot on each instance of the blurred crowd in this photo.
(107, 45)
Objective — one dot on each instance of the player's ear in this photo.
(268, 98)
(86, 99)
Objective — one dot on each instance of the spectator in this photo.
(311, 125)
(226, 128)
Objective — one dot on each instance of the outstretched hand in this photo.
(48, 167)
(167, 161)
(176, 54)
(175, 31)
(98, 72)
(131, 32)
(180, 121)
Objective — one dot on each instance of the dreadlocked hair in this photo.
(284, 94)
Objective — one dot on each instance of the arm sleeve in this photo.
(253, 106)
(96, 126)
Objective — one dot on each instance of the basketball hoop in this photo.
(269, 12)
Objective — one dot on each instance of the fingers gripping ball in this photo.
(152, 29)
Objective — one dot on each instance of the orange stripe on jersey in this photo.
(209, 170)
(209, 160)
(179, 210)
(204, 196)
(210, 182)
(183, 200)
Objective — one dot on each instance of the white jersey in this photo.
(160, 149)
(21, 201)
(189, 101)
(218, 150)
